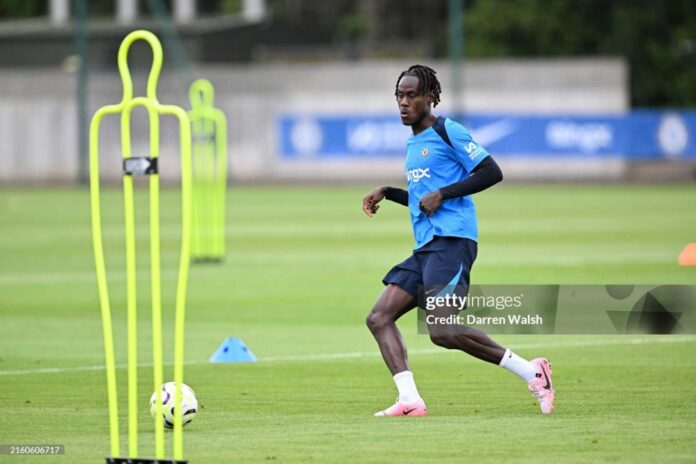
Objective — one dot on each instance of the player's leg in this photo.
(447, 264)
(537, 372)
(398, 298)
(393, 303)
(450, 260)
(454, 336)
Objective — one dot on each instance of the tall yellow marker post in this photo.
(209, 174)
(142, 166)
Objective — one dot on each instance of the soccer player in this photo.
(444, 167)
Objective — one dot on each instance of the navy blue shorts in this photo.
(444, 261)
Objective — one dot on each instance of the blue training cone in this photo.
(232, 350)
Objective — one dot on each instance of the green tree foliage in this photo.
(12, 9)
(658, 38)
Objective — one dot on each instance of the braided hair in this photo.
(427, 81)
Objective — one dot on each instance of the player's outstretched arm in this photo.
(372, 199)
(486, 174)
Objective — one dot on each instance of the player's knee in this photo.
(376, 321)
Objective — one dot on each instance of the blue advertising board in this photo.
(639, 135)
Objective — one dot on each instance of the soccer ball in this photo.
(189, 403)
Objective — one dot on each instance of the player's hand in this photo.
(372, 199)
(431, 202)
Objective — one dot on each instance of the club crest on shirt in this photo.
(425, 152)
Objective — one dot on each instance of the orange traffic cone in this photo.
(688, 255)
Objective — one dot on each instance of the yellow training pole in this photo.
(210, 173)
(102, 285)
(142, 166)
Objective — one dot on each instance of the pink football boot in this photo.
(541, 386)
(405, 409)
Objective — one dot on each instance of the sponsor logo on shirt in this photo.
(473, 150)
(417, 174)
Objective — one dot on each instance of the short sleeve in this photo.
(468, 152)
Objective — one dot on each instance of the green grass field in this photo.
(303, 268)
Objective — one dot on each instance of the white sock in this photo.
(518, 366)
(408, 393)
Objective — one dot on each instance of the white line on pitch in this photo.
(516, 346)
(372, 354)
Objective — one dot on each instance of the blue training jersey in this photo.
(439, 156)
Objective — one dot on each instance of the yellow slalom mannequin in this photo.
(142, 166)
(209, 173)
